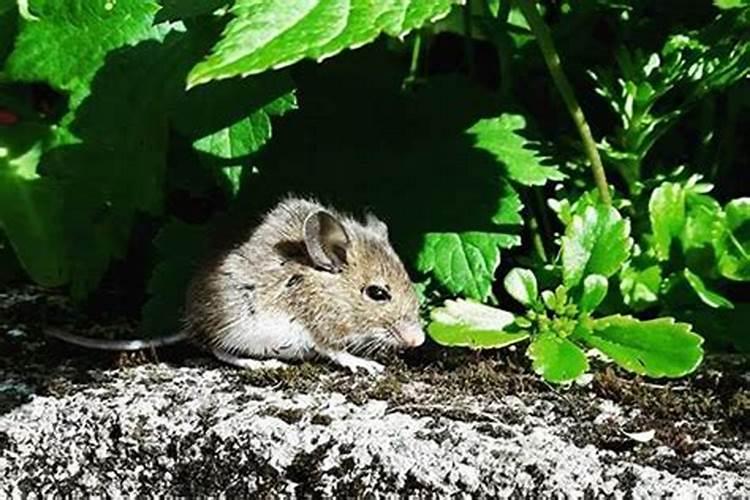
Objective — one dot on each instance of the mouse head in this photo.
(367, 284)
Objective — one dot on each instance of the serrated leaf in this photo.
(596, 243)
(265, 34)
(464, 262)
(666, 209)
(594, 290)
(463, 323)
(657, 348)
(500, 137)
(70, 40)
(709, 297)
(521, 285)
(557, 359)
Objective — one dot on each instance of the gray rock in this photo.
(163, 430)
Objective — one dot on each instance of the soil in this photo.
(710, 407)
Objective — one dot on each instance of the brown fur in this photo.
(273, 270)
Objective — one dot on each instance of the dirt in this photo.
(712, 406)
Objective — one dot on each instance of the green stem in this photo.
(416, 50)
(552, 59)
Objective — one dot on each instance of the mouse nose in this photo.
(412, 335)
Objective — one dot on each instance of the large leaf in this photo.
(268, 34)
(657, 348)
(501, 138)
(598, 242)
(557, 359)
(464, 263)
(71, 38)
(469, 324)
(31, 209)
(666, 209)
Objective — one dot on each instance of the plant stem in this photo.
(416, 50)
(552, 59)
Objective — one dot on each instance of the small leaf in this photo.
(594, 290)
(667, 213)
(521, 285)
(738, 212)
(708, 297)
(596, 243)
(500, 137)
(464, 263)
(469, 324)
(557, 359)
(640, 286)
(657, 348)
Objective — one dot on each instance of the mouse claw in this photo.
(355, 363)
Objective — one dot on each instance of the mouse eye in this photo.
(377, 293)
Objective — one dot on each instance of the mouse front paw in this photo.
(355, 363)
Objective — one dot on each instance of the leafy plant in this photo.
(561, 324)
(133, 132)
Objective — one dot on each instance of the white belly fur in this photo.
(268, 335)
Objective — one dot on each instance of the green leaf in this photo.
(657, 348)
(738, 212)
(30, 211)
(180, 247)
(640, 286)
(704, 222)
(596, 243)
(708, 297)
(734, 248)
(500, 137)
(266, 34)
(731, 4)
(114, 168)
(594, 290)
(464, 263)
(464, 323)
(667, 213)
(521, 285)
(557, 359)
(71, 39)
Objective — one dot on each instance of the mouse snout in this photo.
(412, 334)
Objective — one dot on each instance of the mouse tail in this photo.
(117, 345)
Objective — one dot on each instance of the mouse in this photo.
(308, 282)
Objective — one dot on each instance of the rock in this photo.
(163, 430)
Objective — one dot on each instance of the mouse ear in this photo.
(376, 225)
(326, 240)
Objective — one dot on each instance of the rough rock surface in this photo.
(192, 427)
(157, 429)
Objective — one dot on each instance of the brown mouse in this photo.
(308, 282)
